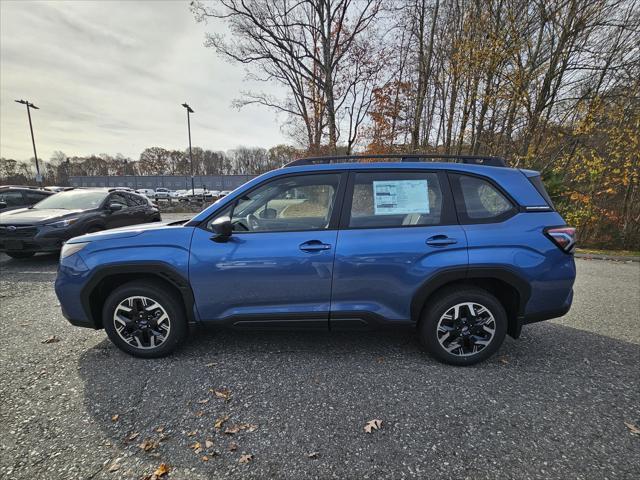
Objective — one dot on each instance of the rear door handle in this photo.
(314, 246)
(440, 241)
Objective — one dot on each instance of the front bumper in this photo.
(35, 239)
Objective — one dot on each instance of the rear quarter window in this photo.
(479, 201)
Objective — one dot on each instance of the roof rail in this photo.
(403, 157)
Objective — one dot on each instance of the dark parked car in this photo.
(45, 226)
(12, 197)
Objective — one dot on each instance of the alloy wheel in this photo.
(142, 322)
(466, 329)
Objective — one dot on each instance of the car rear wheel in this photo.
(144, 319)
(463, 326)
(20, 255)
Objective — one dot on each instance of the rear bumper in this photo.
(549, 314)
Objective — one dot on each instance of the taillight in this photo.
(563, 237)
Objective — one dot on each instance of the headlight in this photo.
(71, 248)
(63, 223)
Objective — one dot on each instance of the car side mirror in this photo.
(269, 213)
(3, 205)
(222, 228)
(114, 207)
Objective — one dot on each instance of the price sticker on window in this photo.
(401, 197)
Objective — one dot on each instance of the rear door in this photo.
(398, 228)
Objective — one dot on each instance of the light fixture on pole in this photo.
(189, 111)
(33, 141)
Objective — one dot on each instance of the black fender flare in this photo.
(456, 274)
(161, 270)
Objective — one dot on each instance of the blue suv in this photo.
(464, 252)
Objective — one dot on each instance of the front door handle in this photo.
(440, 241)
(314, 246)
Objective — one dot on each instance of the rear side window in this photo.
(13, 198)
(479, 201)
(537, 183)
(396, 199)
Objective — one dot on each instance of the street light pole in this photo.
(189, 111)
(33, 141)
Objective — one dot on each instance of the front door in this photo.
(398, 229)
(276, 268)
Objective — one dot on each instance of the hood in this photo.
(31, 216)
(122, 232)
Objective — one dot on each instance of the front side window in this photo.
(34, 197)
(118, 198)
(478, 201)
(396, 199)
(295, 203)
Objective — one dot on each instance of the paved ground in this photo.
(550, 405)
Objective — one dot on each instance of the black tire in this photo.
(20, 255)
(448, 299)
(163, 296)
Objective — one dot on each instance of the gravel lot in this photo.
(550, 405)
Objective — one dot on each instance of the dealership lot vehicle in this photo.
(13, 197)
(464, 253)
(45, 226)
(162, 193)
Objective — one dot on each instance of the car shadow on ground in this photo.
(552, 404)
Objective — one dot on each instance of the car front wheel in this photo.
(463, 326)
(144, 319)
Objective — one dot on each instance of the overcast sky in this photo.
(110, 76)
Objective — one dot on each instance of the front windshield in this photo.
(73, 200)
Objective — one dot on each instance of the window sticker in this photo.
(400, 197)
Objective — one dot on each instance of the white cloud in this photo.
(109, 77)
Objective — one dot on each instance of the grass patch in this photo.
(620, 253)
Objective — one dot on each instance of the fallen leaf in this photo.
(633, 428)
(249, 427)
(313, 454)
(203, 401)
(52, 339)
(162, 470)
(160, 429)
(380, 359)
(212, 364)
(233, 446)
(191, 433)
(232, 429)
(148, 445)
(162, 437)
(503, 359)
(208, 443)
(195, 446)
(372, 425)
(245, 458)
(205, 458)
(220, 421)
(199, 413)
(114, 467)
(223, 393)
(133, 436)
(115, 418)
